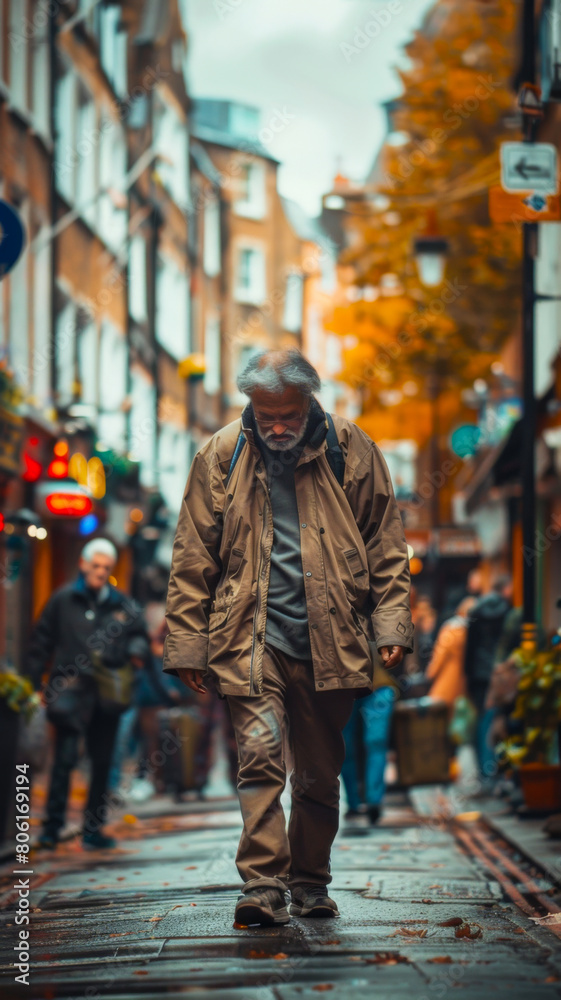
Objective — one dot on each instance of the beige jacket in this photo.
(354, 557)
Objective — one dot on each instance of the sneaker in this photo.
(312, 901)
(263, 905)
(373, 813)
(141, 790)
(356, 822)
(47, 842)
(98, 841)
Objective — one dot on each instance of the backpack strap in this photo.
(237, 452)
(334, 452)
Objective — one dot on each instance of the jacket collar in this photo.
(108, 594)
(316, 431)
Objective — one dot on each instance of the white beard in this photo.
(287, 445)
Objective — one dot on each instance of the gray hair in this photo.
(101, 545)
(275, 371)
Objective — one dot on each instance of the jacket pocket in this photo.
(218, 618)
(358, 571)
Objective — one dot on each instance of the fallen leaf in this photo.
(469, 931)
(323, 986)
(550, 918)
(441, 960)
(426, 901)
(189, 868)
(409, 932)
(129, 818)
(437, 864)
(552, 979)
(239, 927)
(435, 887)
(154, 920)
(452, 922)
(335, 941)
(280, 956)
(192, 904)
(178, 906)
(140, 972)
(121, 878)
(258, 954)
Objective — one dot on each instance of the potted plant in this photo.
(532, 751)
(17, 700)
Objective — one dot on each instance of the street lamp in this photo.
(430, 257)
(430, 250)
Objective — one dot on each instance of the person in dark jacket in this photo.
(485, 628)
(93, 636)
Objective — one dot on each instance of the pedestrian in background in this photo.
(446, 668)
(94, 637)
(367, 735)
(485, 628)
(289, 557)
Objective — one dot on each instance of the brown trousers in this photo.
(290, 714)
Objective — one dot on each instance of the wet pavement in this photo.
(419, 917)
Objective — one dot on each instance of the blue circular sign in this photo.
(12, 237)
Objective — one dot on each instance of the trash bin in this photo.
(421, 741)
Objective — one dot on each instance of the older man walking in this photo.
(93, 636)
(289, 557)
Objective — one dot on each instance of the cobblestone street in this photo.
(419, 916)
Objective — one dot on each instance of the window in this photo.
(172, 308)
(171, 143)
(86, 146)
(137, 279)
(251, 186)
(41, 359)
(113, 362)
(113, 48)
(41, 78)
(174, 460)
(143, 424)
(213, 376)
(18, 47)
(112, 169)
(293, 302)
(65, 353)
(65, 91)
(211, 254)
(88, 362)
(19, 322)
(250, 276)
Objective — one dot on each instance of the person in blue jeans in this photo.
(376, 711)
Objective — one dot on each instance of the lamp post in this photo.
(430, 250)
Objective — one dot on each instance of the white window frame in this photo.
(19, 54)
(212, 381)
(293, 302)
(256, 292)
(41, 358)
(253, 205)
(211, 238)
(138, 304)
(173, 307)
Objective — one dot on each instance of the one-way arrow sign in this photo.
(529, 166)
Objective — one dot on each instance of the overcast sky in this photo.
(325, 65)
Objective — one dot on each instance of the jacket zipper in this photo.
(258, 600)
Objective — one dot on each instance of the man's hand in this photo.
(194, 680)
(391, 655)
